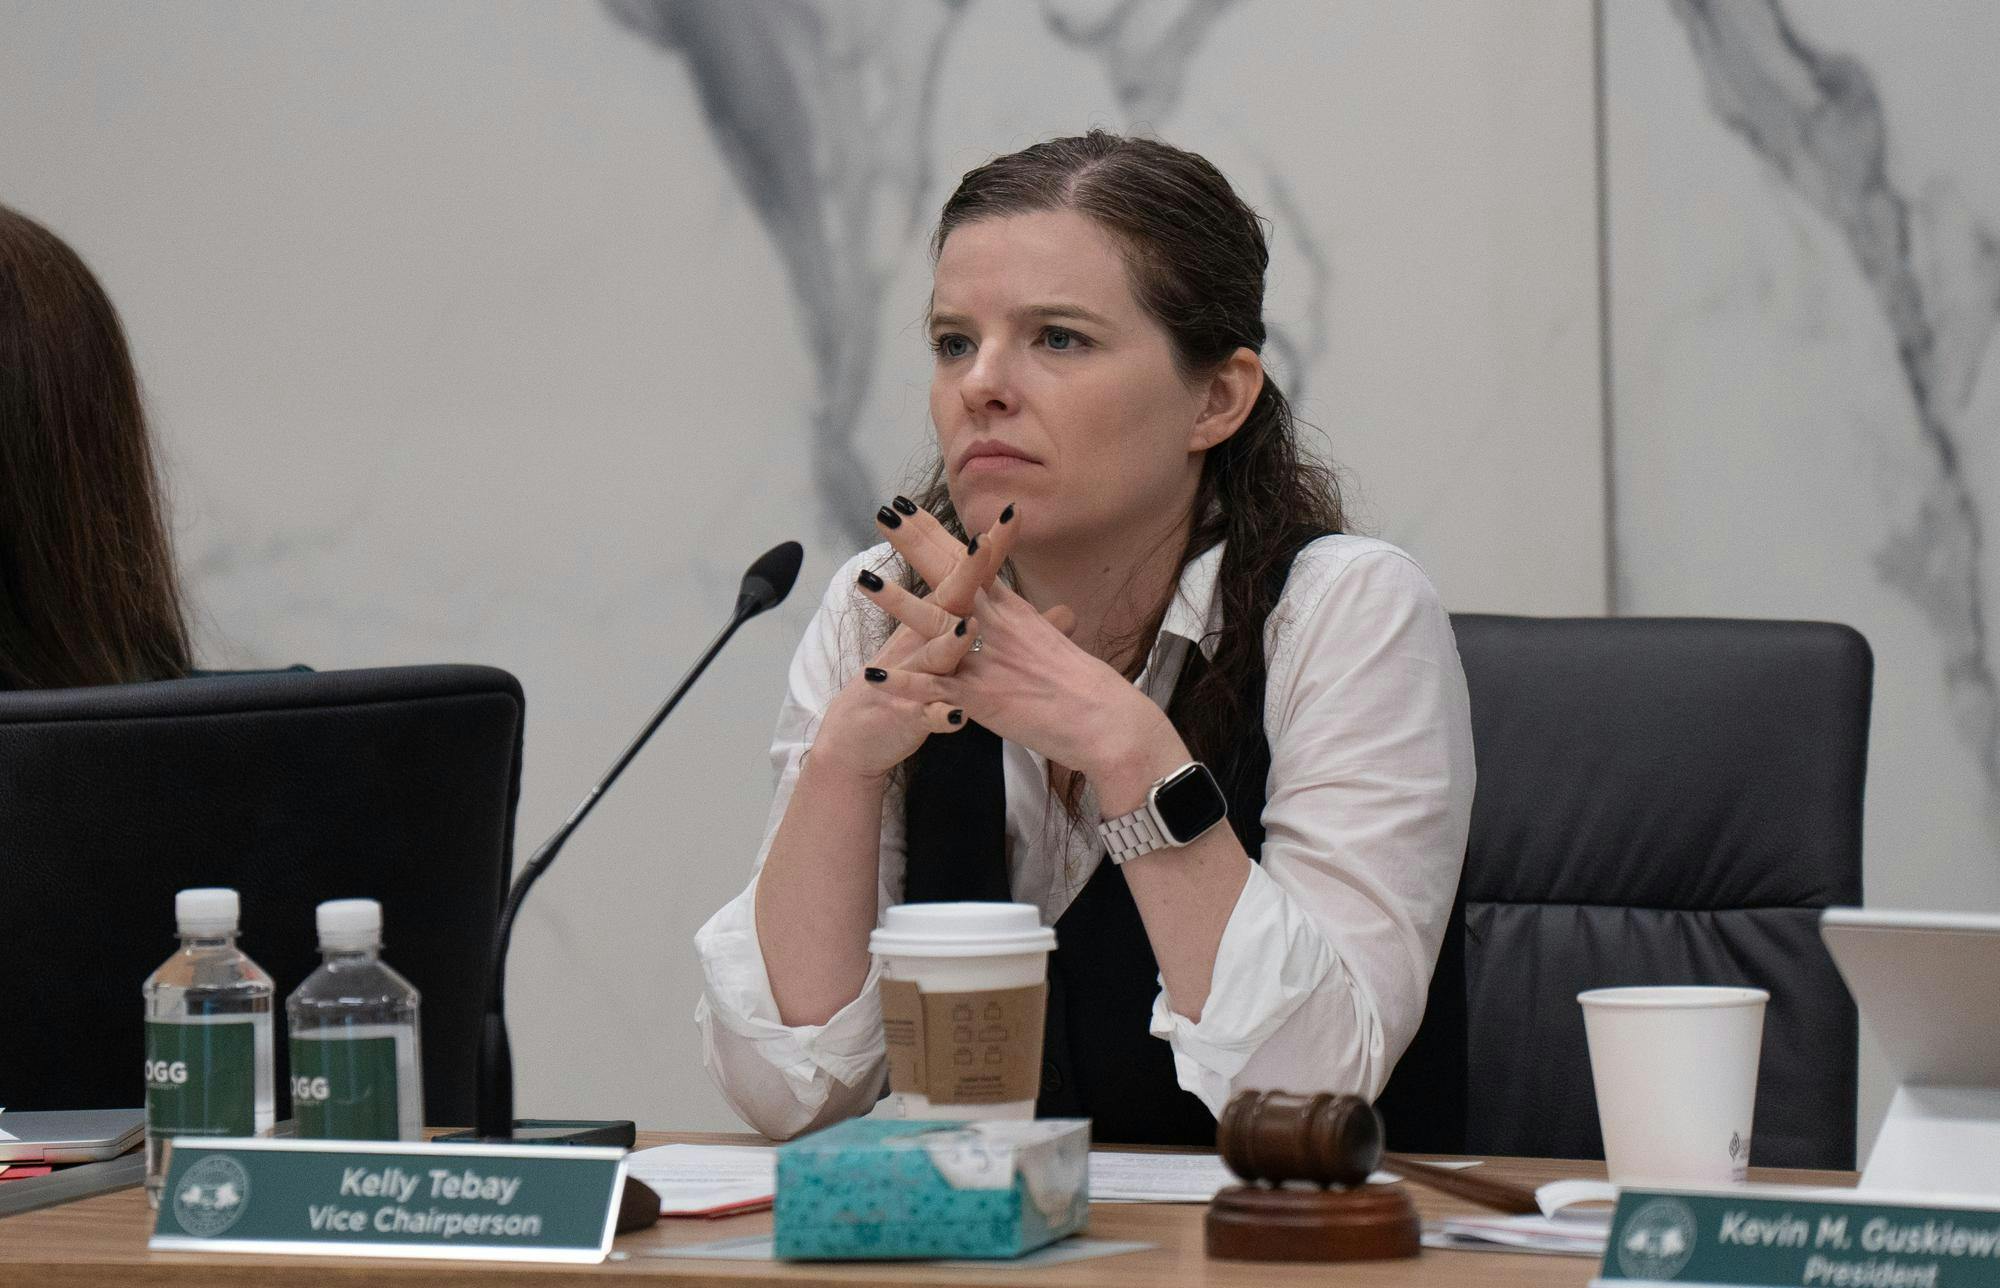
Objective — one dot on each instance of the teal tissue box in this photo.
(884, 1188)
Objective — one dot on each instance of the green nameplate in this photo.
(391, 1199)
(1771, 1236)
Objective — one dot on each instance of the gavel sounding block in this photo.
(1367, 1223)
(1328, 1143)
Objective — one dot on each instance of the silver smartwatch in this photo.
(1178, 809)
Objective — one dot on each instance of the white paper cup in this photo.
(1676, 1075)
(966, 1041)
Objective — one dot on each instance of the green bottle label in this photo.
(345, 1088)
(201, 1078)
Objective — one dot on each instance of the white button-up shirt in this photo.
(1323, 968)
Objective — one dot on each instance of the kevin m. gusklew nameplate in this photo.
(391, 1199)
(1766, 1236)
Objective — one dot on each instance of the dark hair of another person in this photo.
(87, 587)
(1196, 256)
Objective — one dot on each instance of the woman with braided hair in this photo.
(1116, 659)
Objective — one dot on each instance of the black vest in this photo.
(1099, 1059)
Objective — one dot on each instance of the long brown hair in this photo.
(87, 587)
(1196, 256)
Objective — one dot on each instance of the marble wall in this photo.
(510, 332)
(1805, 281)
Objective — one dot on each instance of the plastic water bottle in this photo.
(209, 1050)
(356, 1069)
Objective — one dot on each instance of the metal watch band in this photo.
(1130, 835)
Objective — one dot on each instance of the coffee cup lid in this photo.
(961, 930)
(1672, 997)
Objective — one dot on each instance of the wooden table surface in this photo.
(103, 1241)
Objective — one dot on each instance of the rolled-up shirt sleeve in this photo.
(787, 1079)
(1324, 966)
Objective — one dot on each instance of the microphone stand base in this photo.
(557, 1131)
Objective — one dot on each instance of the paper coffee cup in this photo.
(964, 987)
(1676, 1075)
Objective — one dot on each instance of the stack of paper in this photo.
(1122, 1177)
(1575, 1221)
(707, 1180)
(1575, 1235)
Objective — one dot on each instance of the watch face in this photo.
(1190, 803)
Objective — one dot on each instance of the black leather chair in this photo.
(396, 784)
(1660, 801)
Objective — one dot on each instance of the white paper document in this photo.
(1117, 1176)
(1572, 1234)
(1120, 1176)
(707, 1180)
(1575, 1221)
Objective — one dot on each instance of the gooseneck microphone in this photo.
(764, 586)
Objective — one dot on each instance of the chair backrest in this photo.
(1660, 801)
(397, 784)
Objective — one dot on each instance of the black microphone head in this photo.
(770, 578)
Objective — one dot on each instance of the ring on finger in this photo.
(978, 642)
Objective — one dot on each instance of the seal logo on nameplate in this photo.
(1658, 1241)
(212, 1196)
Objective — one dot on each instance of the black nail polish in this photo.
(960, 628)
(868, 580)
(888, 518)
(1007, 515)
(905, 504)
(972, 547)
(876, 675)
(956, 717)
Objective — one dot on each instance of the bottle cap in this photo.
(350, 923)
(208, 909)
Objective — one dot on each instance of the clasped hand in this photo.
(1028, 681)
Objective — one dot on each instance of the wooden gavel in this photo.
(1275, 1137)
(1328, 1139)
(1332, 1142)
